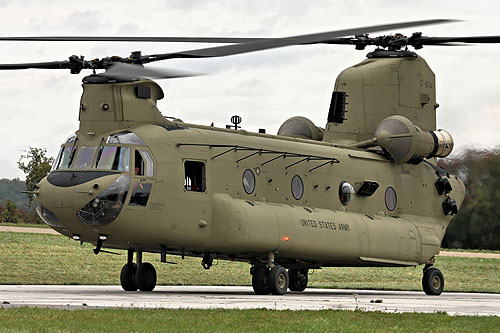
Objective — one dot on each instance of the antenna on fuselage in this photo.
(236, 120)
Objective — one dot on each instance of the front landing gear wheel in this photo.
(145, 277)
(127, 277)
(433, 281)
(298, 279)
(277, 280)
(259, 280)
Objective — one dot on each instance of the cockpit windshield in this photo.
(113, 158)
(84, 157)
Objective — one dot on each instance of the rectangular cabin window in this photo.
(195, 179)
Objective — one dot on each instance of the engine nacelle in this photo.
(301, 127)
(405, 142)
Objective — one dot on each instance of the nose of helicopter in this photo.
(70, 204)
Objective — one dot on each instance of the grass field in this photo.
(49, 259)
(472, 250)
(25, 225)
(161, 320)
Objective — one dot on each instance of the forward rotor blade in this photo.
(134, 39)
(127, 72)
(44, 65)
(261, 45)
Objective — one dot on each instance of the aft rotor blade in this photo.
(322, 37)
(127, 72)
(443, 40)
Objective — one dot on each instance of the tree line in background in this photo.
(11, 189)
(477, 225)
(11, 213)
(15, 206)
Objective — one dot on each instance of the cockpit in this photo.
(114, 154)
(124, 154)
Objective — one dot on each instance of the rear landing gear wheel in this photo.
(433, 281)
(298, 279)
(259, 280)
(145, 277)
(277, 280)
(127, 277)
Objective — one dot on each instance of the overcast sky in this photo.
(40, 107)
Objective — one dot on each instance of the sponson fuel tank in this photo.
(339, 237)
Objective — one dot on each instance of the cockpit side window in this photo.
(57, 160)
(149, 163)
(113, 158)
(144, 164)
(84, 157)
(139, 164)
(64, 158)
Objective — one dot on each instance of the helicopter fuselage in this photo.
(355, 194)
(250, 196)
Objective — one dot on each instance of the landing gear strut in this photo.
(432, 281)
(140, 276)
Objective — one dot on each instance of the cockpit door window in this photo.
(140, 194)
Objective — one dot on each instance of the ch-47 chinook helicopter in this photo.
(364, 191)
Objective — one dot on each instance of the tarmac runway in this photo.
(208, 297)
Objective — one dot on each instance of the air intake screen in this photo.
(337, 108)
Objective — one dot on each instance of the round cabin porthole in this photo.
(248, 181)
(297, 187)
(390, 198)
(345, 192)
